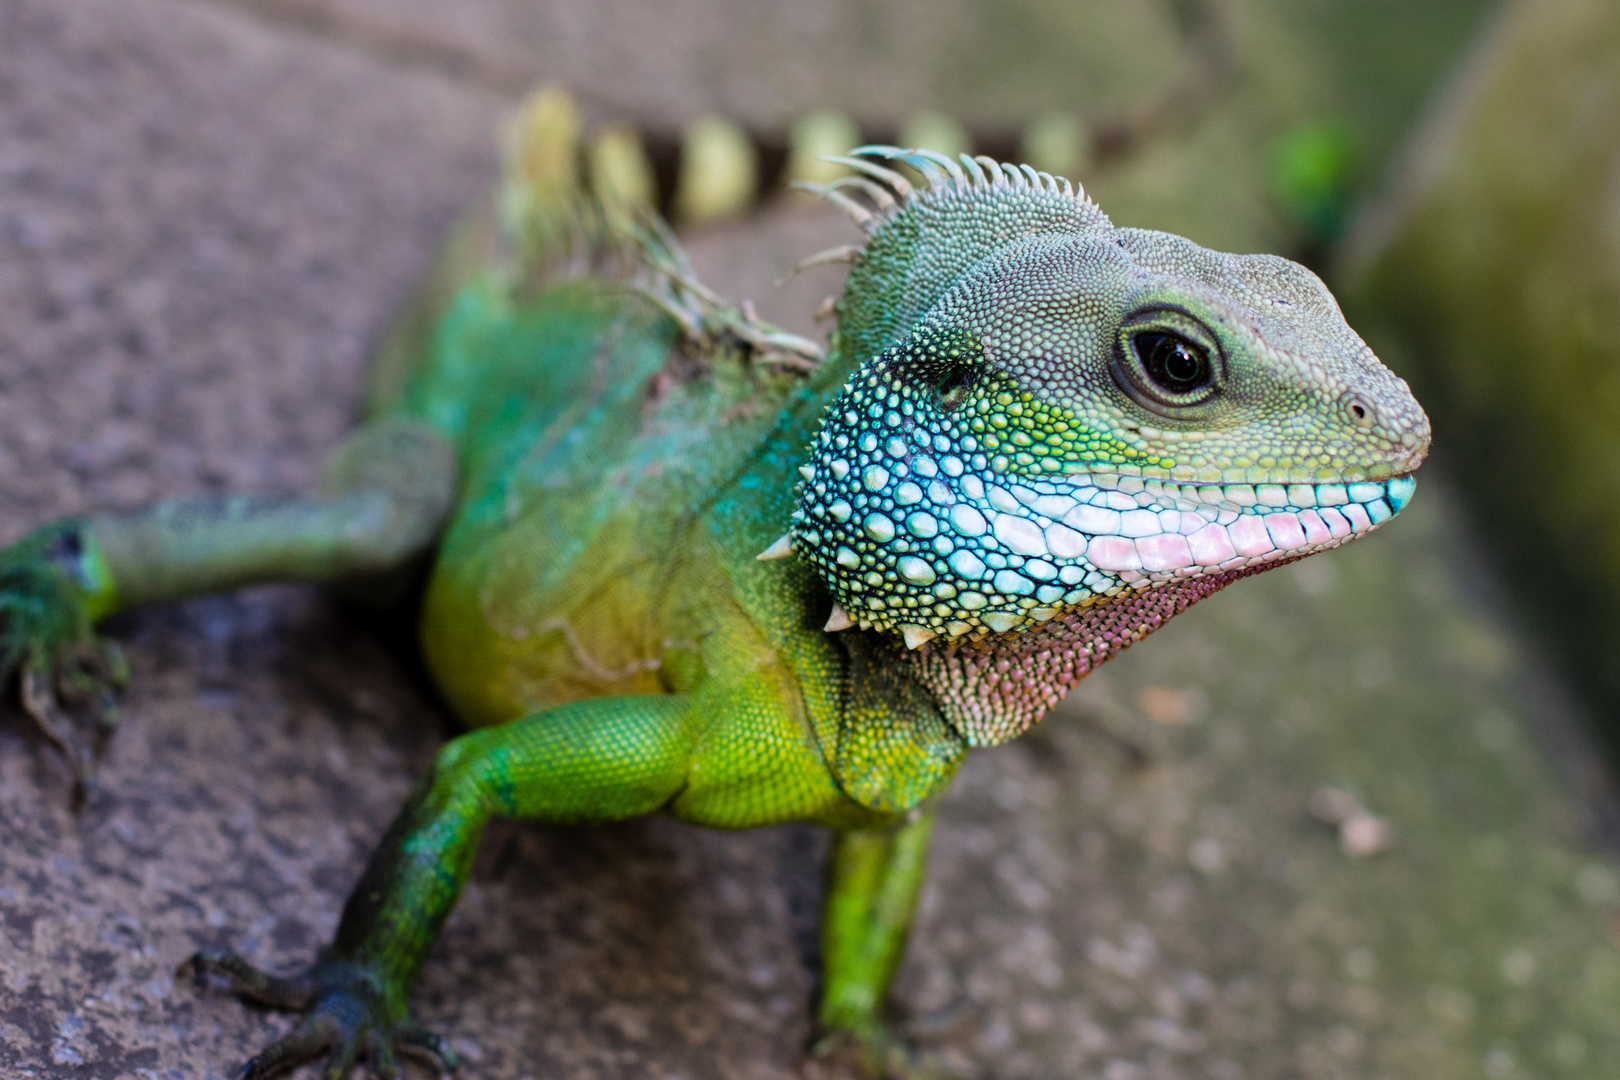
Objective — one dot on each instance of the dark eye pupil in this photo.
(1175, 364)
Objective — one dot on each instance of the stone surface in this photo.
(204, 220)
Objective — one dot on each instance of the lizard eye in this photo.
(1168, 362)
(1178, 367)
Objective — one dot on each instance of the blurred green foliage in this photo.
(1313, 173)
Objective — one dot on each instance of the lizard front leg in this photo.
(605, 759)
(382, 501)
(874, 879)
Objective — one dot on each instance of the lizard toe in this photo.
(380, 1056)
(342, 1058)
(429, 1046)
(315, 1036)
(293, 994)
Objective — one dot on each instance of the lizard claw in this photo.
(347, 1018)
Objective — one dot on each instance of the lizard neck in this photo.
(993, 689)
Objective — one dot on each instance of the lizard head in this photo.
(1052, 412)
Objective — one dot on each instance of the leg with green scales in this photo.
(874, 879)
(605, 759)
(381, 504)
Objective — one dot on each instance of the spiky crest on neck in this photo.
(558, 224)
(921, 240)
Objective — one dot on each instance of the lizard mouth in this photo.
(1172, 531)
(966, 555)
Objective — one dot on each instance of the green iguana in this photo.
(680, 563)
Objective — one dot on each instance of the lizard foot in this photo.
(875, 1051)
(348, 1015)
(69, 677)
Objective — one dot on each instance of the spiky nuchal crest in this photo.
(1055, 413)
(923, 240)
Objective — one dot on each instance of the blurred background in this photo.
(1353, 819)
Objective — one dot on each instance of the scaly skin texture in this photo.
(676, 567)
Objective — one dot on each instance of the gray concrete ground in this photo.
(205, 218)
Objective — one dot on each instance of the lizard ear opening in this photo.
(954, 386)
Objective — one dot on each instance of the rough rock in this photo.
(204, 220)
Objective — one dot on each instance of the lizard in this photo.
(679, 561)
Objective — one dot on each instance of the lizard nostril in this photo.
(1360, 412)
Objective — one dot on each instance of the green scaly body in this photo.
(676, 568)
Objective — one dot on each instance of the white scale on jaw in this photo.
(1012, 547)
